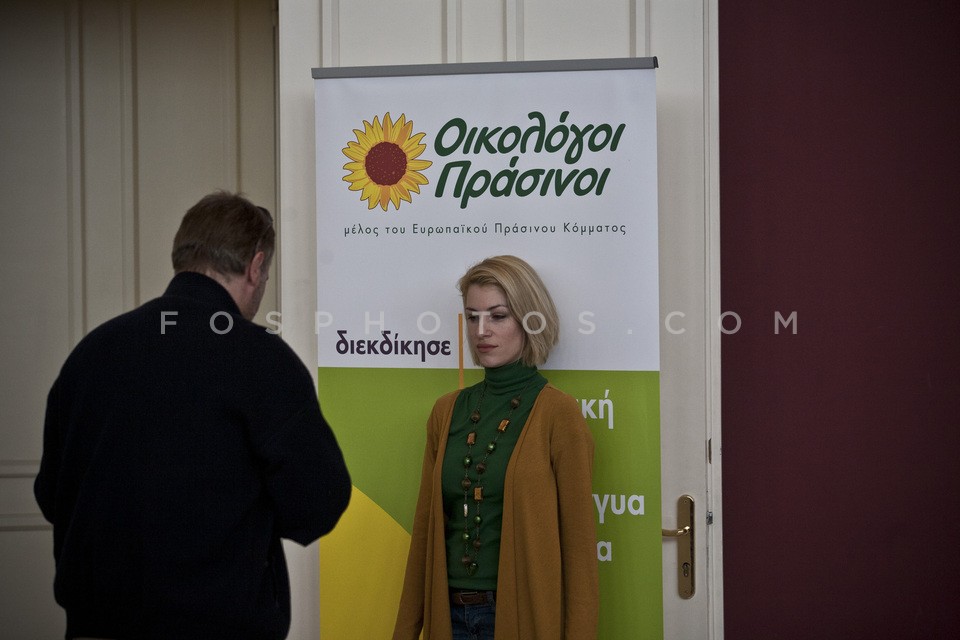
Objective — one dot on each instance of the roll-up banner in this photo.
(422, 171)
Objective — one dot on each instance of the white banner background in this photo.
(604, 282)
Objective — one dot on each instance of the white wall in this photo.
(115, 117)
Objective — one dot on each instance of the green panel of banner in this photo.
(384, 412)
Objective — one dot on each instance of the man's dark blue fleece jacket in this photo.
(181, 443)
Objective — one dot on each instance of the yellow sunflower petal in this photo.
(417, 165)
(366, 141)
(372, 134)
(359, 185)
(416, 176)
(357, 176)
(388, 132)
(377, 131)
(355, 153)
(397, 130)
(371, 191)
(404, 134)
(414, 143)
(402, 191)
(395, 198)
(360, 135)
(409, 186)
(414, 152)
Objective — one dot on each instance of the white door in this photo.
(684, 37)
(682, 34)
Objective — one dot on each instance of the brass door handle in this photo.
(675, 533)
(685, 546)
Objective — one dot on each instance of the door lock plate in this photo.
(685, 546)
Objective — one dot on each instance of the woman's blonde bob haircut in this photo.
(528, 299)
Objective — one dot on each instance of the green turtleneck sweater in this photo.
(492, 397)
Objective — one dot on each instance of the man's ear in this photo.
(255, 268)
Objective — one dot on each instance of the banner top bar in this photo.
(598, 64)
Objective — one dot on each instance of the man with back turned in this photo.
(181, 443)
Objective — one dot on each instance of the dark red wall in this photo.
(840, 200)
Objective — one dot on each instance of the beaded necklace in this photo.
(469, 558)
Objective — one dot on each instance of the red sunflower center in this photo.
(386, 163)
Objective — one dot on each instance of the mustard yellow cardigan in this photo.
(547, 583)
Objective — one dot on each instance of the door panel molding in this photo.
(95, 193)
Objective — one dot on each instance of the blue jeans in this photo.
(473, 621)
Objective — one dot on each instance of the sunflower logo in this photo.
(383, 162)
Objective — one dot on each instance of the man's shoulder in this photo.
(173, 324)
(111, 329)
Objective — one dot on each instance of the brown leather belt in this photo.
(470, 597)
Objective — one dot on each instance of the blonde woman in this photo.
(504, 539)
